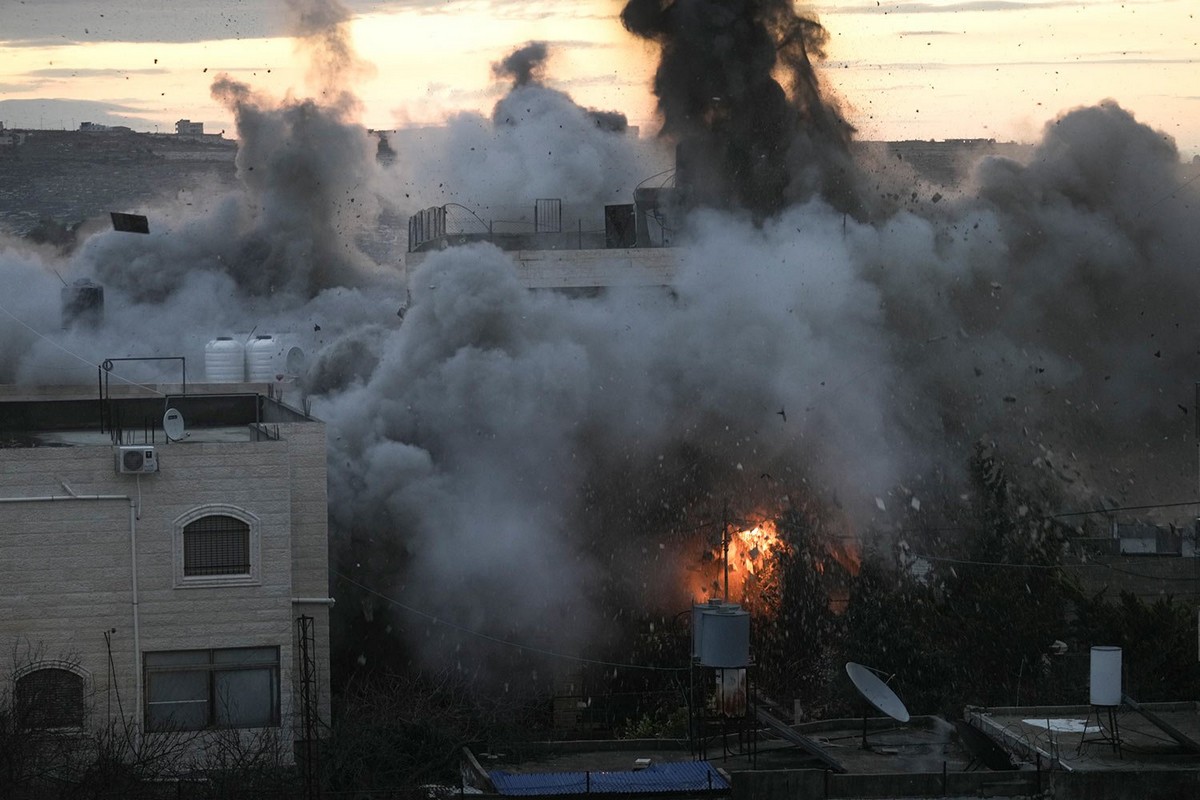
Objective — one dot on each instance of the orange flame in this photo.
(754, 566)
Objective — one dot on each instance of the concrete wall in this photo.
(585, 269)
(1108, 785)
(66, 569)
(802, 784)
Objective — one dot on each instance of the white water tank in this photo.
(271, 358)
(697, 619)
(725, 636)
(224, 360)
(1106, 676)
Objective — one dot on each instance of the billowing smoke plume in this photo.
(521, 463)
(538, 143)
(738, 92)
(523, 65)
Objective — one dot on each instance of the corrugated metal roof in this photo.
(684, 776)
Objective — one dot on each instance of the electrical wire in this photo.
(1014, 565)
(496, 639)
(75, 355)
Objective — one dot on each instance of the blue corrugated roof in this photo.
(684, 776)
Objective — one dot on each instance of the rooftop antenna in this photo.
(877, 693)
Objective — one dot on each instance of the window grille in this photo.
(216, 545)
(50, 697)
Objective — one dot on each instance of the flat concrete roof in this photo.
(80, 416)
(923, 745)
(1084, 738)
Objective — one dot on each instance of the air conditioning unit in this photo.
(135, 459)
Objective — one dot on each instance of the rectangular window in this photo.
(196, 689)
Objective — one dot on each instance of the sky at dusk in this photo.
(923, 70)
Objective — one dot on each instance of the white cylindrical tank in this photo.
(1106, 676)
(698, 610)
(260, 358)
(725, 636)
(272, 358)
(225, 360)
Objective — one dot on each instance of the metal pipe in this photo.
(56, 498)
(313, 601)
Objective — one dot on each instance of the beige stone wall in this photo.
(66, 574)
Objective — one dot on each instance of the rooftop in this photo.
(80, 416)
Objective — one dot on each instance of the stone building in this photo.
(169, 583)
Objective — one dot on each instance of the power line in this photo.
(73, 354)
(1122, 508)
(496, 639)
(1013, 565)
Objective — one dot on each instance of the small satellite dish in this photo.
(174, 426)
(876, 692)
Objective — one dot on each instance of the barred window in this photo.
(50, 697)
(216, 545)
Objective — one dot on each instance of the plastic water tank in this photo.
(1105, 676)
(725, 636)
(271, 358)
(82, 303)
(697, 619)
(225, 360)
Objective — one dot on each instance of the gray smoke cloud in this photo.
(537, 143)
(525, 65)
(521, 462)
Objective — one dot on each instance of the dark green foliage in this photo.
(792, 646)
(894, 622)
(1157, 640)
(973, 630)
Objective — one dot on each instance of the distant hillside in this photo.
(73, 176)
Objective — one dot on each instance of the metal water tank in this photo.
(82, 303)
(725, 636)
(224, 360)
(1105, 676)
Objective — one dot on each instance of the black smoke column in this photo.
(744, 138)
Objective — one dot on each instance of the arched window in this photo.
(216, 545)
(49, 697)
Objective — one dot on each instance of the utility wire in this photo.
(75, 355)
(1013, 565)
(507, 642)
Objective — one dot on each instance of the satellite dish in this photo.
(876, 692)
(174, 426)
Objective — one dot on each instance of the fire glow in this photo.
(754, 556)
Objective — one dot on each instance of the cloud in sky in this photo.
(947, 8)
(60, 113)
(56, 72)
(45, 23)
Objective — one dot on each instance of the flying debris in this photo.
(130, 223)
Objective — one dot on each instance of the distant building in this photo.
(92, 127)
(185, 127)
(171, 585)
(560, 247)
